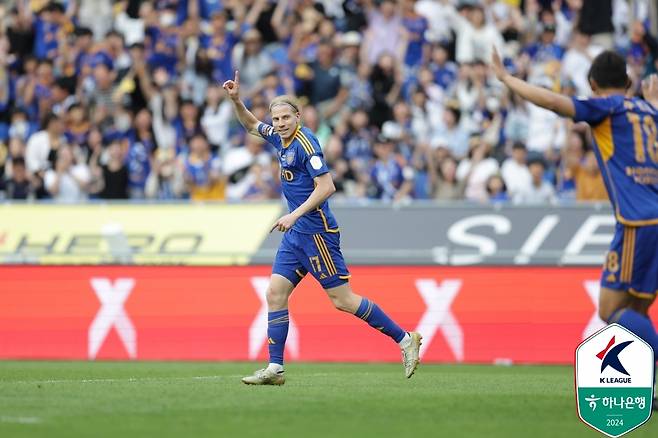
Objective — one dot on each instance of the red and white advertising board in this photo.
(466, 314)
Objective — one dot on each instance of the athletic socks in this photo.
(375, 317)
(639, 324)
(277, 332)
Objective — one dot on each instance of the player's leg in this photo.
(629, 282)
(327, 265)
(344, 299)
(286, 274)
(277, 318)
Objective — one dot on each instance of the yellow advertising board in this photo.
(184, 234)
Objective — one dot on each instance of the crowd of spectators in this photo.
(122, 99)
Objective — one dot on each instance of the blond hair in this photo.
(285, 100)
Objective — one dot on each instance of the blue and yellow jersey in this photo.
(625, 132)
(301, 160)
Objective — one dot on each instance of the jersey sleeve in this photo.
(313, 158)
(267, 132)
(593, 110)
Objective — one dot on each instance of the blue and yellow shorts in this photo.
(631, 264)
(318, 254)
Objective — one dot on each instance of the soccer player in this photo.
(311, 239)
(624, 131)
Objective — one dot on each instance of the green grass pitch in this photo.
(153, 399)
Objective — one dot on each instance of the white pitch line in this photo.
(130, 379)
(20, 420)
(138, 379)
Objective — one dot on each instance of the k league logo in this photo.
(614, 380)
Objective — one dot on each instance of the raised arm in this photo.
(542, 97)
(245, 117)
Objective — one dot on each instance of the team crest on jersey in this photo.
(289, 157)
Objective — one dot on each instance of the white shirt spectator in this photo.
(533, 195)
(474, 43)
(237, 163)
(438, 19)
(476, 177)
(575, 67)
(36, 152)
(516, 176)
(70, 183)
(547, 129)
(215, 123)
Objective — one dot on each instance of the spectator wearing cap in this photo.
(390, 180)
(539, 191)
(514, 171)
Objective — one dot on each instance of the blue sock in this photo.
(277, 332)
(375, 317)
(639, 324)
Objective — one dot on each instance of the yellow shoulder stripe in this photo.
(306, 143)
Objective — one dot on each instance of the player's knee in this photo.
(276, 298)
(342, 304)
(604, 313)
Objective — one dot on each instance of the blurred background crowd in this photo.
(104, 99)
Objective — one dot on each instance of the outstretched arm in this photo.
(542, 97)
(246, 118)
